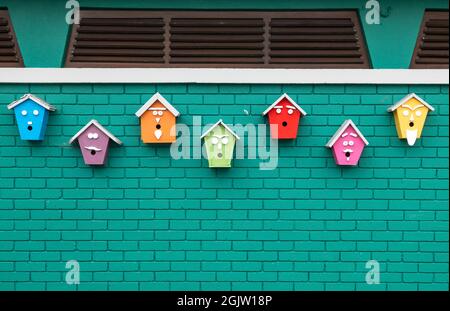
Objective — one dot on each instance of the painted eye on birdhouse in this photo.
(351, 143)
(345, 143)
(278, 110)
(160, 113)
(225, 140)
(155, 113)
(24, 112)
(290, 111)
(214, 141)
(93, 136)
(36, 112)
(405, 113)
(418, 113)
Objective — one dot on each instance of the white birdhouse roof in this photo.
(341, 130)
(220, 122)
(100, 127)
(35, 99)
(406, 99)
(154, 99)
(285, 96)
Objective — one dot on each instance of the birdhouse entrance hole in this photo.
(285, 124)
(30, 128)
(411, 124)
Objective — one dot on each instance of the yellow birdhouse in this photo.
(410, 114)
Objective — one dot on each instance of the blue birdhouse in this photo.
(31, 116)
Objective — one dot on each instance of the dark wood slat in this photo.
(213, 38)
(435, 46)
(120, 30)
(311, 23)
(141, 22)
(4, 29)
(431, 60)
(217, 60)
(436, 31)
(7, 52)
(314, 45)
(437, 23)
(117, 52)
(218, 30)
(322, 60)
(314, 38)
(114, 59)
(3, 21)
(119, 44)
(313, 31)
(433, 53)
(217, 45)
(120, 37)
(315, 53)
(217, 22)
(8, 59)
(5, 37)
(217, 53)
(435, 38)
(6, 44)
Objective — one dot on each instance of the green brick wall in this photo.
(147, 222)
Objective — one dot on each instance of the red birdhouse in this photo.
(284, 118)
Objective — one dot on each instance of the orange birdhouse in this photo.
(158, 121)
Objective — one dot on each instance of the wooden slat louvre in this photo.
(257, 39)
(432, 43)
(9, 49)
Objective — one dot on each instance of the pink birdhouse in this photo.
(94, 141)
(348, 144)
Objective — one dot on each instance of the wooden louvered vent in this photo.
(432, 44)
(218, 39)
(9, 49)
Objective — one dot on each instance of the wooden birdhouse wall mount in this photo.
(347, 144)
(94, 141)
(32, 115)
(410, 115)
(220, 141)
(284, 118)
(158, 121)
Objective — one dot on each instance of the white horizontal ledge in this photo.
(227, 76)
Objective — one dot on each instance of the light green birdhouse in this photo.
(219, 143)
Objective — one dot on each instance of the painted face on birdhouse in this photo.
(410, 119)
(158, 125)
(284, 119)
(348, 147)
(94, 145)
(219, 144)
(31, 120)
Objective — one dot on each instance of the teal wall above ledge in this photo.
(42, 30)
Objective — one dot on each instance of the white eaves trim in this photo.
(36, 99)
(154, 99)
(225, 76)
(220, 122)
(290, 100)
(339, 132)
(407, 98)
(100, 127)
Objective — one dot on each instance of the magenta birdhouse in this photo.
(347, 144)
(94, 141)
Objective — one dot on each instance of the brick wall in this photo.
(147, 222)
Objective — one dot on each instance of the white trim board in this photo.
(225, 76)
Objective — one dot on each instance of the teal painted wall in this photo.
(42, 30)
(148, 222)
